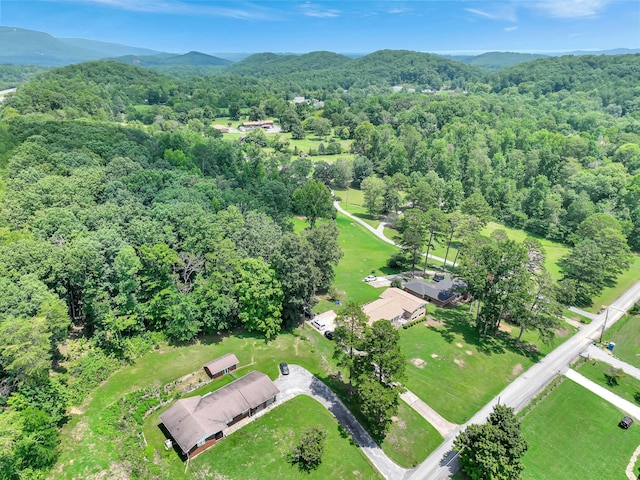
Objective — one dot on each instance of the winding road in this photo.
(379, 232)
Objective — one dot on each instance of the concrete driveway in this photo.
(301, 382)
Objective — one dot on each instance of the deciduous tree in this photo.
(494, 449)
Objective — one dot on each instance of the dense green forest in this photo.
(126, 219)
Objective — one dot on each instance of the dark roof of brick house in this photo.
(191, 420)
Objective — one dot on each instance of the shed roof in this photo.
(219, 364)
(193, 419)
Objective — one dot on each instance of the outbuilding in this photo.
(218, 367)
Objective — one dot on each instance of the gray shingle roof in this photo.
(441, 291)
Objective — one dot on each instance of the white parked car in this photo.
(370, 278)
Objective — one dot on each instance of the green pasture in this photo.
(574, 435)
(262, 448)
(455, 372)
(626, 335)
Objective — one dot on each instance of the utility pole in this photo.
(604, 325)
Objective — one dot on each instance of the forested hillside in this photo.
(126, 219)
(271, 64)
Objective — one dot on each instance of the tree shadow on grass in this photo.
(341, 388)
(457, 323)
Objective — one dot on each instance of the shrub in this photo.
(308, 451)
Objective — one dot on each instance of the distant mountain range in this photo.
(29, 47)
(193, 59)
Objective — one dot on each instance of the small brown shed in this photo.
(218, 367)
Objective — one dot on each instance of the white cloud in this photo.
(398, 10)
(569, 8)
(510, 29)
(312, 10)
(177, 7)
(505, 12)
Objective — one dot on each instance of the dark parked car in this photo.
(329, 334)
(284, 368)
(625, 423)
(438, 277)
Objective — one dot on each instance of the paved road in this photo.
(379, 232)
(441, 464)
(609, 396)
(301, 382)
(604, 355)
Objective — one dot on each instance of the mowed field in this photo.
(455, 372)
(85, 452)
(625, 333)
(574, 435)
(554, 251)
(364, 254)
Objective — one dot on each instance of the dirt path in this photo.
(632, 463)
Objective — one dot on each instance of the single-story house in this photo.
(196, 423)
(218, 367)
(221, 128)
(259, 124)
(441, 293)
(395, 305)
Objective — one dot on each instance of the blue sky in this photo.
(446, 26)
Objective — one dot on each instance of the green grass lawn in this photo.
(574, 435)
(624, 282)
(262, 449)
(576, 316)
(554, 253)
(627, 387)
(626, 335)
(84, 452)
(454, 372)
(364, 254)
(307, 348)
(411, 437)
(352, 200)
